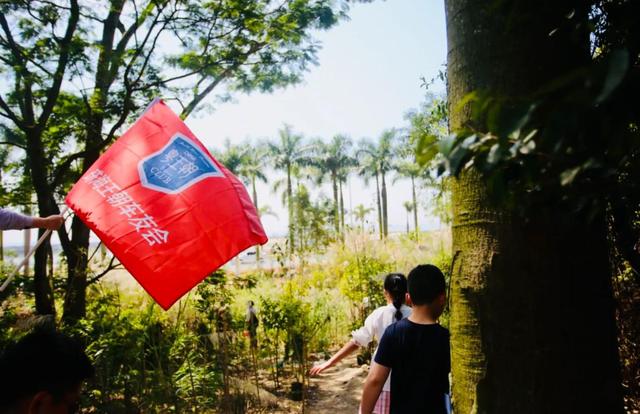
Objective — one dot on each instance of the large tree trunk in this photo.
(46, 206)
(532, 321)
(27, 240)
(415, 207)
(290, 207)
(77, 250)
(379, 205)
(255, 204)
(43, 289)
(341, 209)
(75, 300)
(336, 202)
(385, 214)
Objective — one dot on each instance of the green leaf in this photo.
(568, 176)
(618, 67)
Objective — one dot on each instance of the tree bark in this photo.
(290, 207)
(75, 300)
(379, 204)
(43, 289)
(341, 209)
(27, 240)
(336, 202)
(46, 206)
(385, 215)
(415, 207)
(532, 315)
(77, 250)
(255, 204)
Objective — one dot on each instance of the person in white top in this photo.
(395, 289)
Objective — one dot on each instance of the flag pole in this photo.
(30, 253)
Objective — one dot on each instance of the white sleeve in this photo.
(364, 335)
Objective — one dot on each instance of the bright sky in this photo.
(368, 77)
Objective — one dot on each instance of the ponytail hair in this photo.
(396, 285)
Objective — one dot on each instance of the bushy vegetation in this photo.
(197, 357)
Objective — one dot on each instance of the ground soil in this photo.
(338, 389)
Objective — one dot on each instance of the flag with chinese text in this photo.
(165, 207)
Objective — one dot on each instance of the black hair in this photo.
(396, 285)
(43, 360)
(425, 283)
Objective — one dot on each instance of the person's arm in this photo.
(10, 220)
(52, 222)
(347, 349)
(373, 386)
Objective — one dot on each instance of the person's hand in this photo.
(317, 369)
(52, 222)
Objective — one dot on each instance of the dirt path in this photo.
(338, 389)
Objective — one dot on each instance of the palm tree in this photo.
(232, 156)
(247, 161)
(288, 153)
(251, 167)
(250, 170)
(380, 158)
(360, 212)
(409, 206)
(411, 170)
(368, 168)
(334, 160)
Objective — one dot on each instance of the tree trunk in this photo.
(415, 207)
(532, 321)
(379, 204)
(341, 209)
(385, 215)
(290, 207)
(75, 300)
(43, 289)
(27, 241)
(336, 202)
(255, 204)
(46, 206)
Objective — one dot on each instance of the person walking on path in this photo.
(395, 289)
(415, 351)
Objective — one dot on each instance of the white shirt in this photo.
(375, 325)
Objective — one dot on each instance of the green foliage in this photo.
(550, 146)
(627, 296)
(427, 126)
(190, 358)
(74, 74)
(312, 221)
(145, 360)
(361, 280)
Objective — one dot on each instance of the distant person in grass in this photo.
(395, 289)
(252, 324)
(10, 220)
(415, 351)
(43, 373)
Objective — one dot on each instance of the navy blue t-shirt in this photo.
(418, 356)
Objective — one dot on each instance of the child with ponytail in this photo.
(395, 289)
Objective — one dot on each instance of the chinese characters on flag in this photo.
(165, 207)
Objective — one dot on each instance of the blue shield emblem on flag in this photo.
(177, 166)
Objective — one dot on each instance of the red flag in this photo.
(165, 207)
